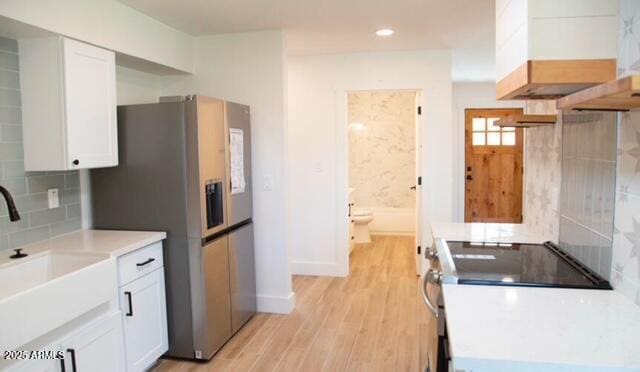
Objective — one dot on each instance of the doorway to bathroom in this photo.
(383, 163)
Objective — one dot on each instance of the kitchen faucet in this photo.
(11, 206)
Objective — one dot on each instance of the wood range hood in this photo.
(553, 79)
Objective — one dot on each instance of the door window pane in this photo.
(493, 138)
(491, 125)
(478, 124)
(509, 138)
(478, 139)
(508, 129)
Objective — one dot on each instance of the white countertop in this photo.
(497, 329)
(541, 329)
(485, 232)
(112, 243)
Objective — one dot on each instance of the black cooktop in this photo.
(539, 265)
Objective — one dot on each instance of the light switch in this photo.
(268, 183)
(54, 200)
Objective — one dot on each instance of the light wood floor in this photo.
(373, 320)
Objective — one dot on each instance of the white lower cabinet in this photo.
(142, 303)
(127, 335)
(96, 348)
(39, 365)
(143, 306)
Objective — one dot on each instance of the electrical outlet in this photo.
(54, 200)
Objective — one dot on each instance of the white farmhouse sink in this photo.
(21, 275)
(43, 291)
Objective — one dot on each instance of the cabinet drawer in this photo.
(137, 263)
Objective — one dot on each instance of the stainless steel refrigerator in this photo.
(185, 168)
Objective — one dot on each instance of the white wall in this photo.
(249, 68)
(108, 24)
(132, 87)
(468, 96)
(318, 87)
(135, 87)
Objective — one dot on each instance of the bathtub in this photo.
(392, 221)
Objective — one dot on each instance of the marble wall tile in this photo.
(382, 148)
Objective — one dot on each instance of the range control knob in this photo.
(434, 277)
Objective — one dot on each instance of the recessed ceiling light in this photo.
(384, 32)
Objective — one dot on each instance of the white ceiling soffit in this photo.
(343, 26)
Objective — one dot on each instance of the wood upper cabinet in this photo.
(546, 49)
(68, 105)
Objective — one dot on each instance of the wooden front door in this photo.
(493, 167)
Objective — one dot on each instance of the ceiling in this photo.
(339, 26)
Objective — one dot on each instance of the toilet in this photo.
(361, 220)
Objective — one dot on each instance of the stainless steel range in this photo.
(489, 263)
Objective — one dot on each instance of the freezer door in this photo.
(242, 276)
(238, 126)
(212, 173)
(213, 329)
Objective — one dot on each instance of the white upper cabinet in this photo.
(546, 49)
(68, 105)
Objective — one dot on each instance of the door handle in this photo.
(130, 312)
(425, 295)
(72, 352)
(412, 187)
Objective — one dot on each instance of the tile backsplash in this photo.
(29, 189)
(588, 187)
(629, 38)
(543, 150)
(625, 271)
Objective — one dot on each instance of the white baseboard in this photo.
(317, 268)
(276, 304)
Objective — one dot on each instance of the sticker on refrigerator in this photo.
(236, 140)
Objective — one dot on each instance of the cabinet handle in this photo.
(130, 312)
(73, 359)
(76, 162)
(145, 262)
(63, 368)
